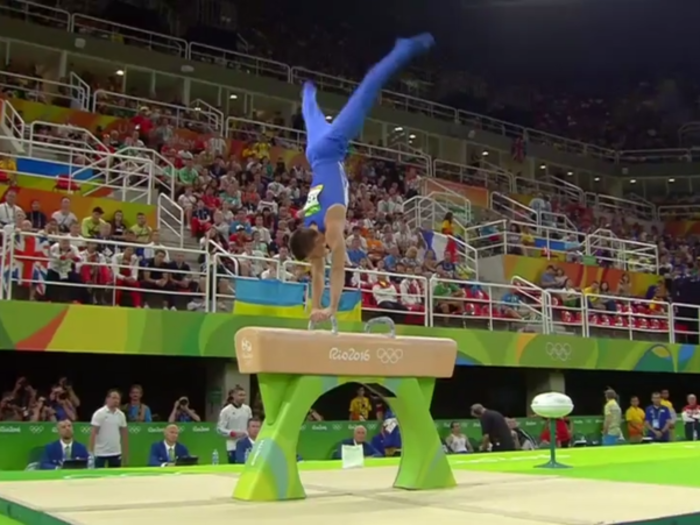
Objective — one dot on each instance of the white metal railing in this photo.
(561, 191)
(122, 34)
(427, 213)
(240, 61)
(37, 89)
(498, 306)
(104, 272)
(37, 13)
(171, 218)
(511, 208)
(265, 67)
(521, 238)
(679, 212)
(82, 89)
(495, 179)
(616, 206)
(12, 123)
(634, 319)
(30, 270)
(248, 130)
(42, 135)
(610, 250)
(195, 116)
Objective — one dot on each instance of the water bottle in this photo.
(215, 457)
(91, 461)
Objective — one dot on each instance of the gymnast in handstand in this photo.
(327, 145)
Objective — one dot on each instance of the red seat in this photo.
(64, 183)
(4, 177)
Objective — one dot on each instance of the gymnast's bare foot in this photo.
(414, 45)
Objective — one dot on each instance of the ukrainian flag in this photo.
(273, 298)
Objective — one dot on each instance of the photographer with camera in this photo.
(41, 411)
(60, 402)
(182, 412)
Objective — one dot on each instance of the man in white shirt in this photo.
(233, 421)
(64, 217)
(9, 210)
(109, 437)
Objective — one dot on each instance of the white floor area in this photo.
(341, 496)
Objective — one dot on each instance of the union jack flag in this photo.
(29, 261)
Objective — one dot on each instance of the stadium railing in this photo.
(614, 207)
(679, 212)
(128, 35)
(27, 263)
(437, 301)
(74, 96)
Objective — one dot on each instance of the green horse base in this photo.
(271, 472)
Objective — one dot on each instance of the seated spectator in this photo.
(90, 226)
(76, 239)
(607, 303)
(135, 410)
(9, 211)
(95, 273)
(385, 294)
(457, 442)
(118, 226)
(201, 220)
(37, 217)
(125, 268)
(563, 433)
(548, 280)
(182, 412)
(63, 282)
(8, 169)
(188, 202)
(56, 452)
(359, 437)
(165, 453)
(245, 445)
(149, 250)
(141, 229)
(157, 279)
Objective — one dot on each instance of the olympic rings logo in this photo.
(389, 356)
(559, 351)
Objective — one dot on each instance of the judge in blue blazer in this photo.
(245, 445)
(165, 453)
(56, 452)
(359, 437)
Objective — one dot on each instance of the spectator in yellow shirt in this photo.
(8, 166)
(141, 230)
(635, 421)
(90, 226)
(360, 406)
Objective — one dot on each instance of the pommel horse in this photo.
(296, 367)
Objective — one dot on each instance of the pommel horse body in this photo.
(296, 367)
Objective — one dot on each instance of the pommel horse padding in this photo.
(296, 367)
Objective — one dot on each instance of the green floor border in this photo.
(12, 513)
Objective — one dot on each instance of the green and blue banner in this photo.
(97, 329)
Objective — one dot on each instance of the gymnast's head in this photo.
(307, 243)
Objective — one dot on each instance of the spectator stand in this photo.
(198, 116)
(486, 306)
(612, 207)
(496, 179)
(601, 248)
(516, 210)
(53, 268)
(131, 36)
(75, 95)
(75, 160)
(611, 251)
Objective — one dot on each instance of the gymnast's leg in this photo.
(348, 124)
(314, 118)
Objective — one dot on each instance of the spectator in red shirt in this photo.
(143, 124)
(562, 431)
(210, 200)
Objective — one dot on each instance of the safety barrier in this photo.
(199, 115)
(601, 247)
(36, 266)
(97, 271)
(679, 212)
(127, 35)
(617, 207)
(495, 179)
(45, 91)
(171, 218)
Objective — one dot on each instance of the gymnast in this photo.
(327, 146)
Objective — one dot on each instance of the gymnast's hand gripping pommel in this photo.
(327, 145)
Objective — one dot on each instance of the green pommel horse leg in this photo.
(296, 367)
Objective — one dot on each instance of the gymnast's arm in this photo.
(335, 238)
(318, 281)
